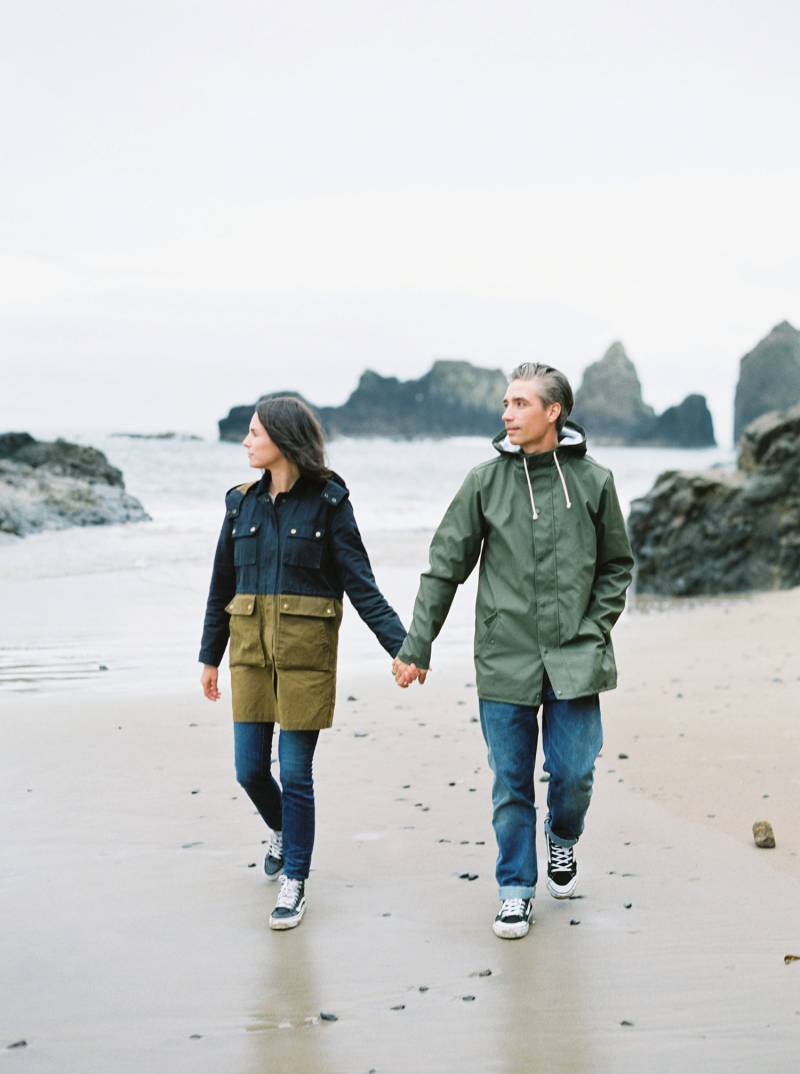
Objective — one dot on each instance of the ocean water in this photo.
(130, 599)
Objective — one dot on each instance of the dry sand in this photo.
(134, 910)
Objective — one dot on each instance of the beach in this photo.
(135, 909)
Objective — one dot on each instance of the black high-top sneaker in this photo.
(514, 918)
(273, 862)
(562, 870)
(291, 904)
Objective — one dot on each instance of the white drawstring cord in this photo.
(530, 490)
(563, 482)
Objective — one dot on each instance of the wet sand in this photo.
(134, 909)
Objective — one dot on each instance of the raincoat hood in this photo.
(571, 443)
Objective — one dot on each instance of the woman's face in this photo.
(262, 453)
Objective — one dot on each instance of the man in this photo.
(545, 520)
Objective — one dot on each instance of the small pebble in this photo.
(481, 973)
(251, 865)
(360, 734)
(468, 999)
(350, 697)
(102, 667)
(622, 756)
(195, 1036)
(573, 921)
(423, 988)
(625, 1022)
(763, 834)
(628, 905)
(398, 1007)
(18, 1044)
(467, 876)
(186, 846)
(327, 1016)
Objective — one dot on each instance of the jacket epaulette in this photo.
(234, 497)
(334, 493)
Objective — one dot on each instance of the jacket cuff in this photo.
(409, 655)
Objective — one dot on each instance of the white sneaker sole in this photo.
(512, 932)
(280, 924)
(564, 892)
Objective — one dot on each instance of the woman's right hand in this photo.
(208, 680)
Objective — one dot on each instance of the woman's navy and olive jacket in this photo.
(280, 571)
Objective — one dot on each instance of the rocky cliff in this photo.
(610, 406)
(769, 376)
(55, 485)
(452, 399)
(723, 531)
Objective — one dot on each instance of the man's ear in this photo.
(554, 412)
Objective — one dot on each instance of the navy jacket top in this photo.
(306, 542)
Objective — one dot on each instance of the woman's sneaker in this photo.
(562, 870)
(514, 919)
(291, 904)
(273, 862)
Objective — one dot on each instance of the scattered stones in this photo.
(763, 834)
(467, 876)
(102, 667)
(423, 988)
(790, 958)
(328, 1016)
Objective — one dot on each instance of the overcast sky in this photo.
(201, 202)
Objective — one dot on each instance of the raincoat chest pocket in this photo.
(307, 633)
(303, 547)
(245, 538)
(246, 647)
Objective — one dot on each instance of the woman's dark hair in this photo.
(295, 430)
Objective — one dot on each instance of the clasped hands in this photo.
(405, 674)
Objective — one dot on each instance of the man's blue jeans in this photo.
(572, 736)
(289, 807)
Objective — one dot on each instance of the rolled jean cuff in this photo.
(557, 839)
(517, 891)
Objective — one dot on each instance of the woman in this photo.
(288, 550)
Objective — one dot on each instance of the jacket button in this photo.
(286, 607)
(318, 534)
(328, 611)
(292, 531)
(252, 529)
(233, 530)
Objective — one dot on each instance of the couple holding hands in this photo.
(544, 520)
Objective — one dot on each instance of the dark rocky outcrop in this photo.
(610, 406)
(157, 436)
(234, 427)
(452, 399)
(725, 531)
(769, 377)
(54, 485)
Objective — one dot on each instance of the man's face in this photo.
(262, 453)
(529, 424)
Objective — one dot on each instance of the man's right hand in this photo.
(208, 680)
(405, 674)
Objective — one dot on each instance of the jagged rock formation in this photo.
(610, 406)
(452, 399)
(769, 376)
(56, 485)
(725, 531)
(234, 427)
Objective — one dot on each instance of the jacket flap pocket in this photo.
(307, 533)
(242, 604)
(319, 607)
(242, 529)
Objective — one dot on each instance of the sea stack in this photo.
(769, 377)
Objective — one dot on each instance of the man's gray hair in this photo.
(553, 386)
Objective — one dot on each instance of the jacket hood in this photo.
(571, 442)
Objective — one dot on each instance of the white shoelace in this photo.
(275, 845)
(560, 857)
(289, 893)
(512, 908)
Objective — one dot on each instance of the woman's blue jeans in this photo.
(572, 737)
(290, 806)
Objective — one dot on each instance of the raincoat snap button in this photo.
(292, 531)
(252, 529)
(317, 534)
(233, 530)
(285, 607)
